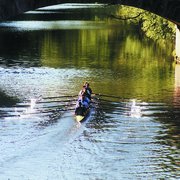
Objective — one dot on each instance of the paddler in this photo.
(80, 110)
(86, 84)
(84, 101)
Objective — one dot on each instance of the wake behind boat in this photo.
(83, 103)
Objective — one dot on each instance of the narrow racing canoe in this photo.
(83, 103)
(81, 118)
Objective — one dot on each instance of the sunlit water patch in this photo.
(51, 25)
(27, 150)
(35, 82)
(131, 141)
(113, 143)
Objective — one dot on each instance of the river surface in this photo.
(133, 128)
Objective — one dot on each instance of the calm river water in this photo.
(50, 53)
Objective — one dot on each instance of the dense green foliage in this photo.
(155, 27)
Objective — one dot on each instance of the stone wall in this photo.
(11, 8)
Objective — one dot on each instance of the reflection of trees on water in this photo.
(98, 47)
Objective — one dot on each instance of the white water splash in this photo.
(27, 112)
(135, 110)
(33, 103)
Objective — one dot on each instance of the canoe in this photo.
(81, 118)
(83, 103)
(81, 113)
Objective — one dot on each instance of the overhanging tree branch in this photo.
(125, 18)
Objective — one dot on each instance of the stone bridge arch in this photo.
(169, 9)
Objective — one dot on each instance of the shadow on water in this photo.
(7, 101)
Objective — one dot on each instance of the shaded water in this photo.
(50, 53)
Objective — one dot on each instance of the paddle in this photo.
(57, 97)
(40, 100)
(106, 95)
(38, 111)
(43, 102)
(34, 101)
